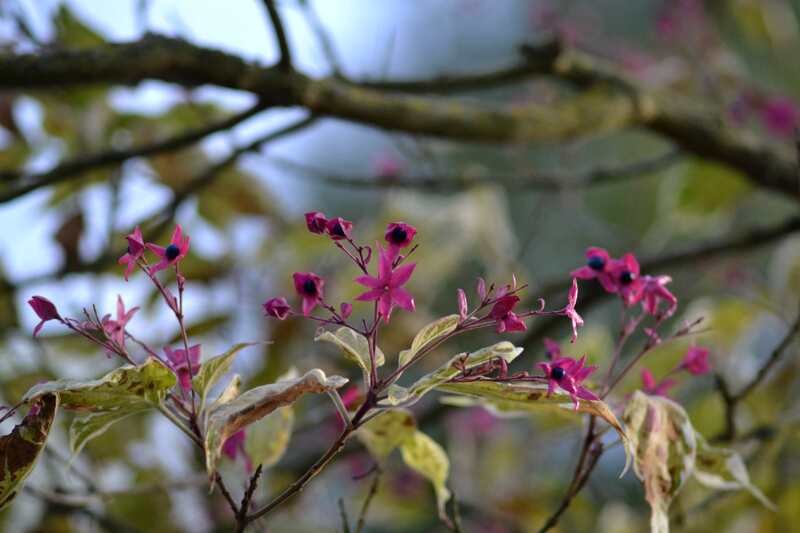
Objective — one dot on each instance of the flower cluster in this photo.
(695, 362)
(621, 276)
(385, 288)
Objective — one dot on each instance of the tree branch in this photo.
(79, 165)
(285, 62)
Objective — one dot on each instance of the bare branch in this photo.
(285, 62)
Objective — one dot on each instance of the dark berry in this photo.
(398, 235)
(557, 373)
(309, 287)
(626, 277)
(172, 252)
(338, 230)
(596, 263)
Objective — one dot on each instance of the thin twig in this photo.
(285, 62)
(373, 490)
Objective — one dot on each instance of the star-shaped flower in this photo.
(115, 329)
(387, 288)
(506, 319)
(173, 253)
(184, 367)
(567, 374)
(135, 251)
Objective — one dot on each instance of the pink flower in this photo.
(480, 288)
(597, 267)
(551, 348)
(387, 166)
(339, 228)
(569, 310)
(115, 329)
(316, 222)
(234, 446)
(173, 253)
(780, 116)
(309, 286)
(345, 310)
(505, 317)
(653, 291)
(399, 235)
(650, 387)
(463, 308)
(625, 273)
(277, 308)
(696, 361)
(135, 251)
(567, 374)
(184, 367)
(45, 310)
(387, 287)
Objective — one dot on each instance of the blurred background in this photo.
(482, 209)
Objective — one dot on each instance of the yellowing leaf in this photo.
(122, 388)
(387, 431)
(724, 469)
(83, 429)
(20, 448)
(212, 370)
(424, 455)
(355, 347)
(398, 394)
(266, 440)
(662, 441)
(428, 335)
(227, 418)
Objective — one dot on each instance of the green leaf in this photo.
(122, 388)
(84, 429)
(20, 448)
(527, 397)
(212, 370)
(662, 441)
(227, 418)
(423, 454)
(266, 441)
(724, 469)
(429, 334)
(407, 396)
(387, 431)
(354, 346)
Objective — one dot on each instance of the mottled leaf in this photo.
(354, 346)
(83, 429)
(213, 369)
(724, 469)
(429, 334)
(122, 388)
(227, 418)
(20, 448)
(387, 431)
(527, 397)
(398, 394)
(424, 455)
(662, 441)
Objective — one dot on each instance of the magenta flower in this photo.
(309, 286)
(387, 166)
(597, 267)
(176, 250)
(625, 273)
(502, 312)
(567, 374)
(181, 364)
(339, 228)
(316, 222)
(551, 348)
(135, 251)
(277, 308)
(45, 310)
(654, 290)
(463, 308)
(115, 329)
(345, 310)
(780, 116)
(650, 387)
(387, 287)
(569, 310)
(696, 361)
(234, 446)
(399, 235)
(480, 289)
